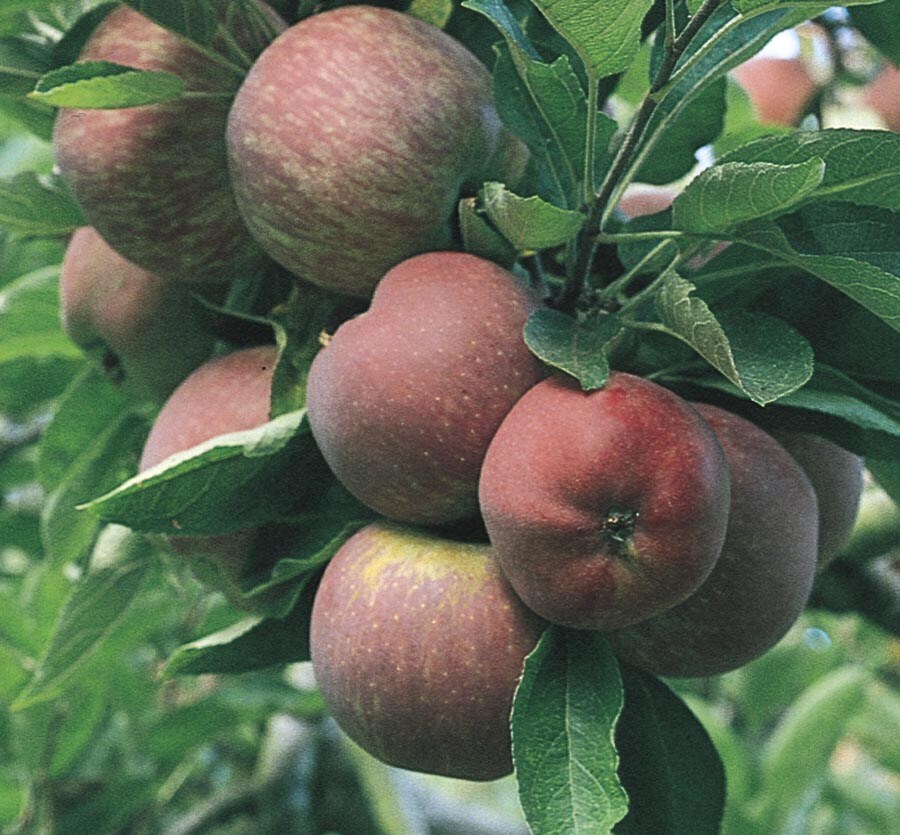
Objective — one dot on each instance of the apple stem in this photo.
(618, 529)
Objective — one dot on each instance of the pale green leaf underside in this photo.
(529, 223)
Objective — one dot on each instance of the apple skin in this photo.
(763, 578)
(837, 479)
(779, 88)
(406, 397)
(153, 180)
(230, 393)
(883, 96)
(417, 646)
(642, 199)
(148, 333)
(346, 173)
(607, 507)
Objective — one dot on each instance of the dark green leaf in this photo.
(195, 20)
(578, 347)
(854, 248)
(671, 770)
(697, 125)
(228, 483)
(27, 383)
(86, 712)
(728, 194)
(22, 63)
(762, 355)
(103, 85)
(36, 205)
(529, 223)
(881, 25)
(861, 166)
(563, 724)
(94, 608)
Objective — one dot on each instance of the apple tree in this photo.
(503, 390)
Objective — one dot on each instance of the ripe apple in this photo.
(153, 180)
(642, 199)
(149, 334)
(606, 507)
(351, 139)
(763, 578)
(230, 393)
(779, 88)
(883, 96)
(406, 397)
(417, 646)
(837, 479)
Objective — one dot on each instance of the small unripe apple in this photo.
(779, 88)
(148, 333)
(604, 508)
(153, 180)
(228, 394)
(883, 96)
(837, 478)
(418, 644)
(351, 139)
(763, 578)
(406, 397)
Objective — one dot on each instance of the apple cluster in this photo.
(509, 498)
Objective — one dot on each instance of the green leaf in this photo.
(856, 249)
(761, 355)
(66, 531)
(228, 483)
(529, 223)
(29, 318)
(480, 238)
(861, 166)
(103, 85)
(89, 405)
(881, 25)
(80, 726)
(606, 34)
(195, 20)
(96, 605)
(31, 204)
(29, 382)
(579, 347)
(728, 194)
(673, 775)
(435, 12)
(251, 644)
(563, 725)
(797, 753)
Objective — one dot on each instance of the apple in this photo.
(643, 199)
(148, 334)
(883, 96)
(230, 393)
(351, 139)
(607, 507)
(417, 646)
(405, 398)
(837, 479)
(761, 581)
(780, 89)
(153, 180)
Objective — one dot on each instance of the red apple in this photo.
(779, 88)
(761, 581)
(605, 508)
(406, 397)
(153, 180)
(417, 646)
(149, 334)
(351, 139)
(837, 478)
(228, 394)
(883, 96)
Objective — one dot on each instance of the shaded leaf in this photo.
(31, 204)
(480, 238)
